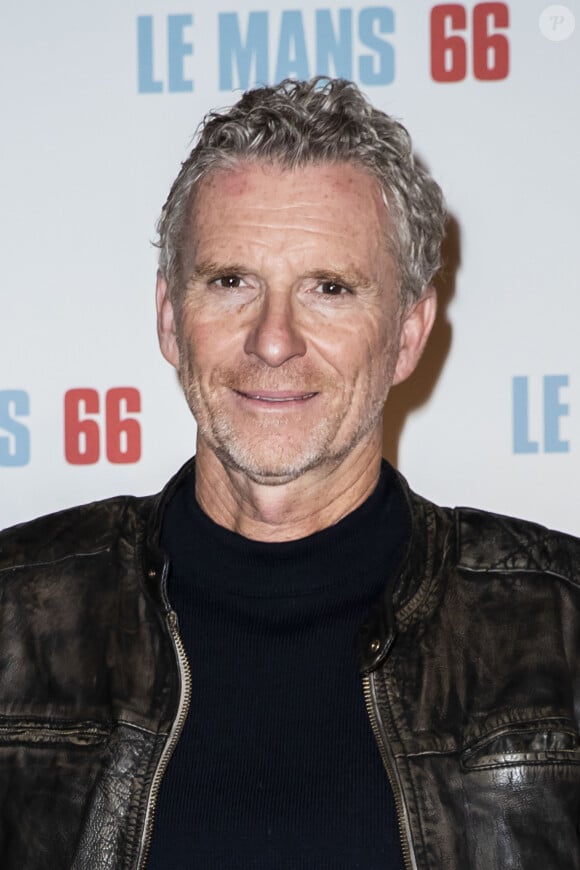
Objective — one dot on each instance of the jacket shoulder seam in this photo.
(546, 571)
(43, 563)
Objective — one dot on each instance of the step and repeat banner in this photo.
(99, 106)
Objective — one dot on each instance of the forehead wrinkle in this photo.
(276, 207)
(246, 221)
(315, 223)
(221, 262)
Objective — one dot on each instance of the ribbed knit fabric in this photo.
(277, 766)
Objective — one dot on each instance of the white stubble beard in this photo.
(282, 461)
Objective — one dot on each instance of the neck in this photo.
(290, 510)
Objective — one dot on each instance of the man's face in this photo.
(291, 329)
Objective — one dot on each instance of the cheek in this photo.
(358, 351)
(378, 368)
(206, 345)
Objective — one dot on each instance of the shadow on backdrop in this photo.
(415, 391)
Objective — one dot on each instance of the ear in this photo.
(415, 329)
(166, 330)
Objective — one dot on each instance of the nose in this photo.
(275, 337)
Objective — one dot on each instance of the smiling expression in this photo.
(289, 333)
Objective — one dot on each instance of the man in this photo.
(297, 249)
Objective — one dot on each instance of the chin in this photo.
(277, 457)
(270, 468)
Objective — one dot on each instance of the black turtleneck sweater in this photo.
(277, 766)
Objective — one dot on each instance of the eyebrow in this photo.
(341, 275)
(211, 268)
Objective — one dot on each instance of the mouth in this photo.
(275, 396)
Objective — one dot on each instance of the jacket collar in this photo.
(155, 562)
(401, 600)
(406, 595)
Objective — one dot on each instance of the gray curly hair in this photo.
(298, 123)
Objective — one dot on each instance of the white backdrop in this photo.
(99, 105)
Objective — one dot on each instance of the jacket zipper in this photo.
(174, 735)
(369, 690)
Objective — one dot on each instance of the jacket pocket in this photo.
(48, 774)
(555, 742)
(520, 797)
(34, 733)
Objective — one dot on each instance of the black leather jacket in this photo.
(470, 673)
